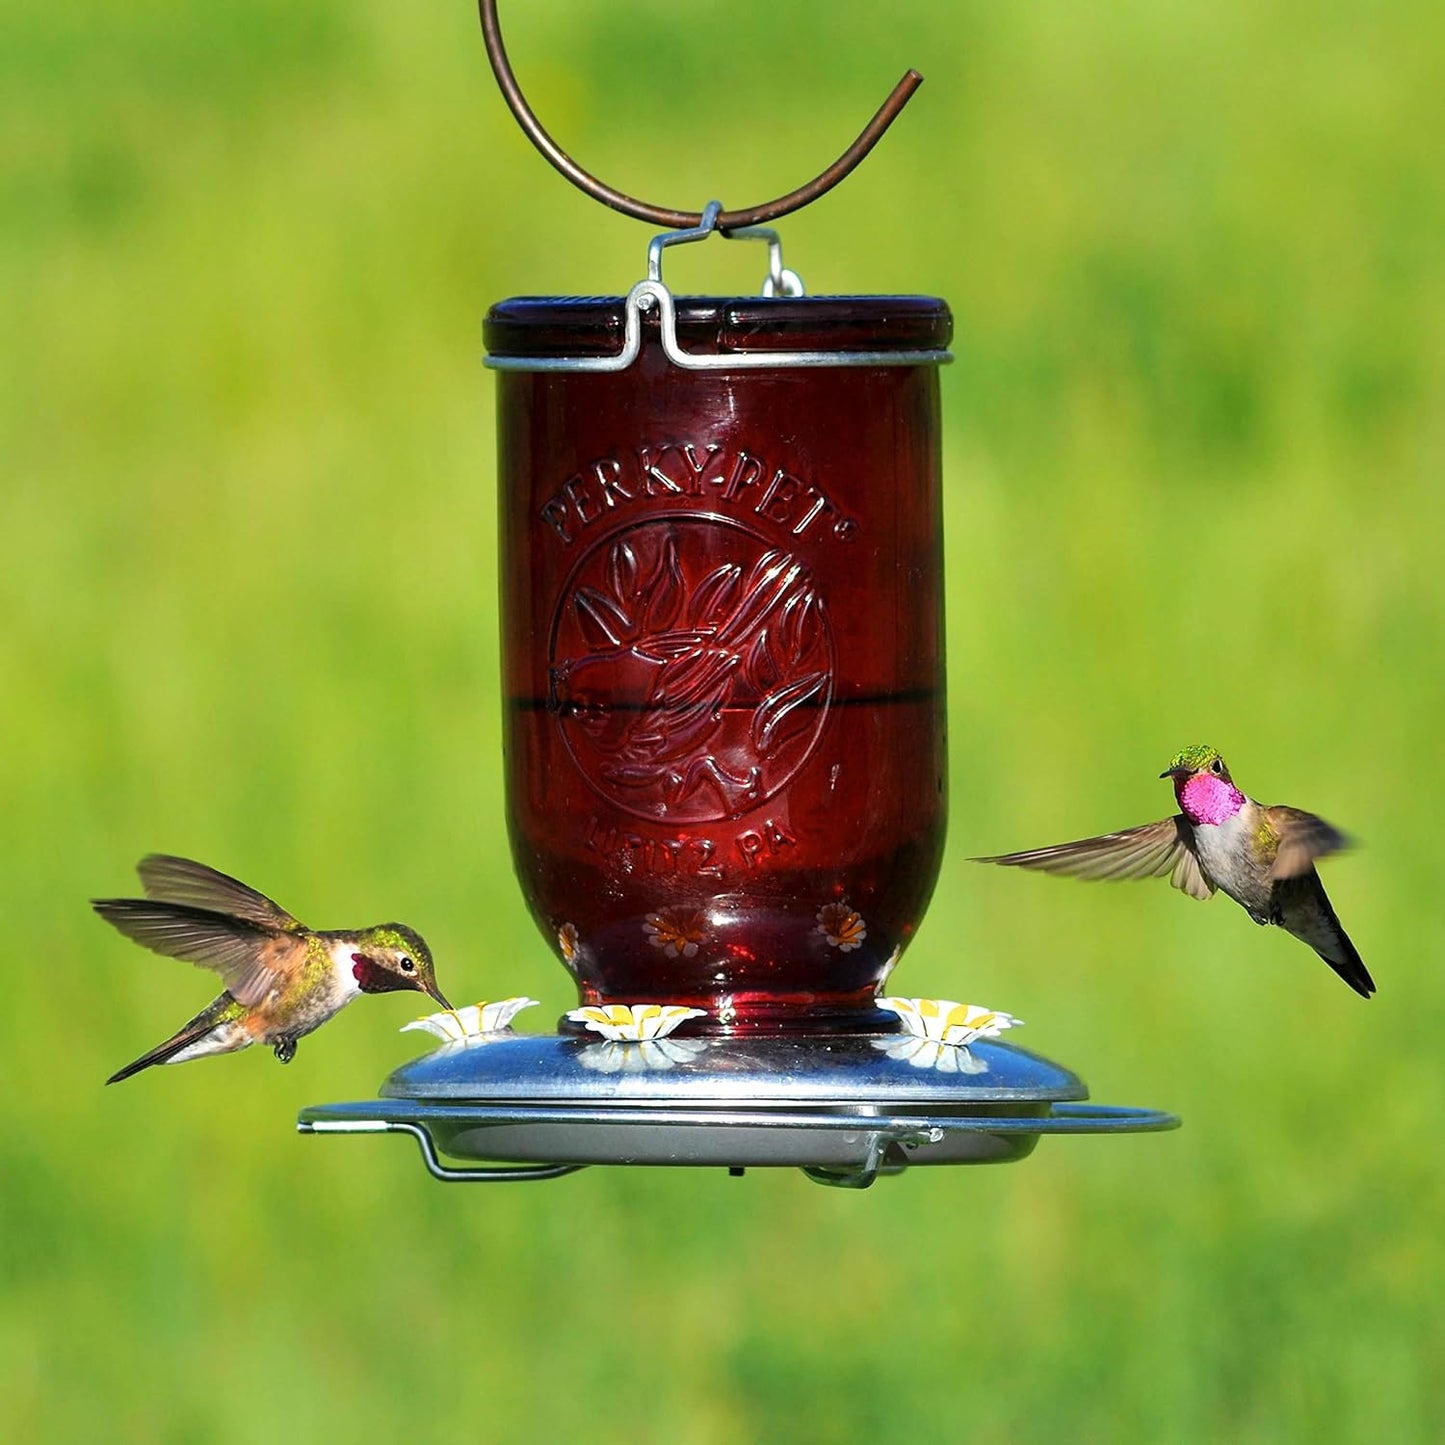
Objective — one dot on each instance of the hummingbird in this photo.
(1262, 857)
(282, 979)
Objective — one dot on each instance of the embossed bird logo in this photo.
(669, 663)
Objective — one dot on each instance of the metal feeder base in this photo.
(844, 1109)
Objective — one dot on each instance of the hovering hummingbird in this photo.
(1262, 857)
(282, 980)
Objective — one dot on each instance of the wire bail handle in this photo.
(780, 280)
(729, 222)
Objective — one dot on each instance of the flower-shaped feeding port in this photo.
(640, 1056)
(634, 1022)
(937, 1033)
(636, 1037)
(476, 1021)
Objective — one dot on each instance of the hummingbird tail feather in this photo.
(161, 1053)
(1346, 961)
(219, 1018)
(1318, 926)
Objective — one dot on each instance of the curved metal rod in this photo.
(663, 215)
(861, 1176)
(490, 1174)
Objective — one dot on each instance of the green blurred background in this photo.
(1195, 444)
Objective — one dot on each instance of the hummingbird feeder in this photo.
(723, 682)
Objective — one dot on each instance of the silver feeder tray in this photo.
(844, 1109)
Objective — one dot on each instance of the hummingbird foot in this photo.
(285, 1050)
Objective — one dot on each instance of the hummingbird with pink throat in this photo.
(1221, 839)
(282, 979)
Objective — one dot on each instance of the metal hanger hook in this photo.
(795, 200)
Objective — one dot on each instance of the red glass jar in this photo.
(722, 650)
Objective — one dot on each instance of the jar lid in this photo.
(779, 331)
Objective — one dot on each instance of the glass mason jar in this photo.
(722, 647)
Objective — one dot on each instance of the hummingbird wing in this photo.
(1149, 851)
(1302, 838)
(245, 955)
(181, 880)
(1188, 877)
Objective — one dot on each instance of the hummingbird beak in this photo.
(1173, 772)
(436, 993)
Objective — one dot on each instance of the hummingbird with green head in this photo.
(282, 979)
(1221, 839)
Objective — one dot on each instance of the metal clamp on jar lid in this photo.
(652, 295)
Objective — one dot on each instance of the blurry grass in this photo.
(1194, 453)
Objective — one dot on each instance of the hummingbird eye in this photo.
(406, 965)
(1216, 766)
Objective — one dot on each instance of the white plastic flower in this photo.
(456, 1025)
(642, 1057)
(943, 1021)
(930, 1054)
(634, 1021)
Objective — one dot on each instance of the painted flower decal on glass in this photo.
(676, 931)
(569, 943)
(476, 1021)
(841, 926)
(938, 1031)
(643, 1057)
(634, 1021)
